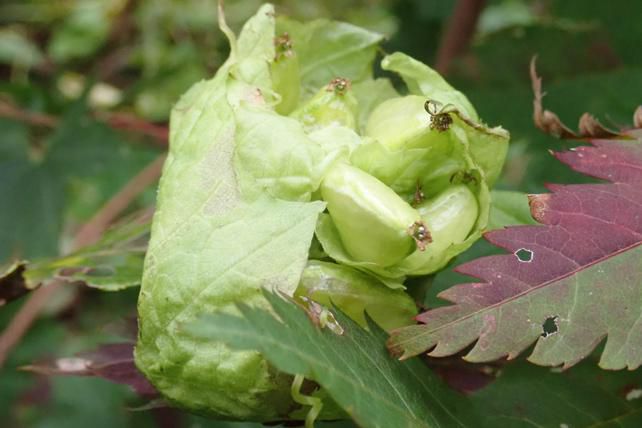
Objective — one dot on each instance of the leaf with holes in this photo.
(567, 284)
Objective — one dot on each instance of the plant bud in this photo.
(375, 224)
(450, 217)
(334, 104)
(285, 74)
(355, 292)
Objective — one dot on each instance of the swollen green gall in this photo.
(285, 74)
(450, 217)
(375, 224)
(333, 104)
(293, 169)
(356, 294)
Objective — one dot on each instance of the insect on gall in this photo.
(440, 120)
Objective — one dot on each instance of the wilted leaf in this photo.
(12, 284)
(113, 263)
(568, 283)
(549, 122)
(114, 362)
(353, 367)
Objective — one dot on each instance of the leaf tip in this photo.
(539, 206)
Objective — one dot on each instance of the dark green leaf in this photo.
(584, 396)
(354, 367)
(76, 168)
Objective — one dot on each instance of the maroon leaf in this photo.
(566, 284)
(464, 380)
(114, 362)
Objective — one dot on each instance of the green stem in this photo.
(315, 403)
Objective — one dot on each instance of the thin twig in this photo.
(38, 119)
(87, 235)
(119, 121)
(93, 229)
(459, 31)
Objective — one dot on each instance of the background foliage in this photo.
(79, 61)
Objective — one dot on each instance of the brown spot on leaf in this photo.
(539, 206)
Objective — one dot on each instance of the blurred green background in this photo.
(78, 62)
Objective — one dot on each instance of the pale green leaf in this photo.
(216, 242)
(423, 80)
(329, 49)
(369, 94)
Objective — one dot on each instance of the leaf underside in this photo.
(565, 285)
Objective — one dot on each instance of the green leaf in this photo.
(329, 49)
(584, 396)
(17, 50)
(113, 263)
(32, 196)
(422, 79)
(619, 25)
(353, 367)
(83, 32)
(509, 209)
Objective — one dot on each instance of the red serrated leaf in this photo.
(566, 284)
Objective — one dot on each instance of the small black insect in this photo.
(440, 120)
(283, 47)
(339, 85)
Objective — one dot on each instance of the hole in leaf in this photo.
(550, 327)
(524, 255)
